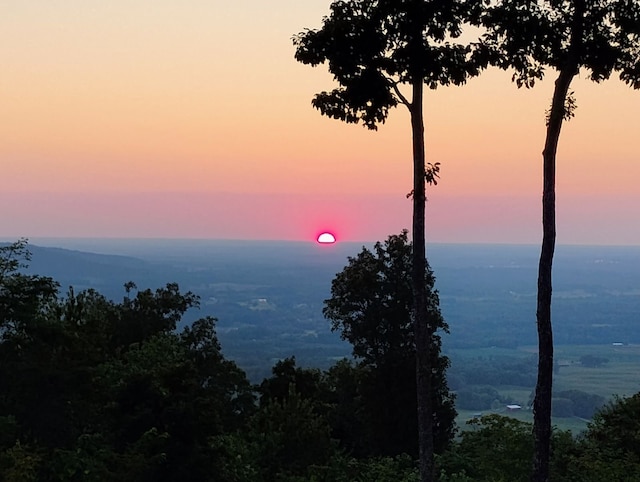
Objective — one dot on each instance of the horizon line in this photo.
(32, 239)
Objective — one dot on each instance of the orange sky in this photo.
(164, 119)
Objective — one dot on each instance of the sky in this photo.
(168, 119)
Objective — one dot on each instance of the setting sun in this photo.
(326, 238)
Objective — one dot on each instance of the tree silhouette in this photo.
(371, 304)
(599, 36)
(372, 48)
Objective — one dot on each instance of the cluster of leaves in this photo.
(98, 390)
(597, 35)
(371, 306)
(495, 447)
(491, 448)
(373, 47)
(311, 425)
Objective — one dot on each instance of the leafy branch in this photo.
(431, 176)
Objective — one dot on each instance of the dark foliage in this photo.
(372, 47)
(75, 405)
(97, 390)
(371, 305)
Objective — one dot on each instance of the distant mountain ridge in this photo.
(106, 273)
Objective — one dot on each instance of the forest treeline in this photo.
(98, 390)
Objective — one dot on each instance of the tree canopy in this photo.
(529, 37)
(373, 47)
(99, 390)
(371, 306)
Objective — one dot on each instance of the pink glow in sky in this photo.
(166, 119)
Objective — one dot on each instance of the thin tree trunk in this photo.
(542, 400)
(421, 325)
(544, 384)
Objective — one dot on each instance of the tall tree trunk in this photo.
(542, 400)
(544, 383)
(421, 323)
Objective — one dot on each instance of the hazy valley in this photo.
(268, 299)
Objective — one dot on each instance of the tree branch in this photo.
(403, 99)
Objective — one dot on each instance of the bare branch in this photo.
(396, 89)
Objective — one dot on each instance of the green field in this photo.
(574, 424)
(619, 376)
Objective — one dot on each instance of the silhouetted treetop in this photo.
(601, 36)
(371, 47)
